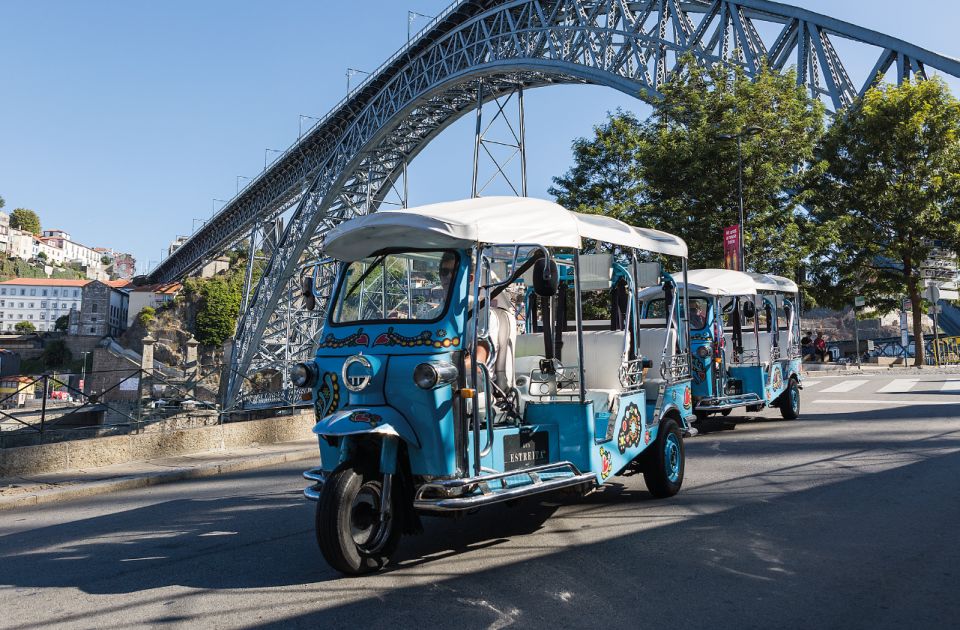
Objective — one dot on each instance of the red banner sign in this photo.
(731, 248)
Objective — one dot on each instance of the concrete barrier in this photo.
(119, 449)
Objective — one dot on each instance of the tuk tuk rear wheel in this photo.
(663, 472)
(351, 536)
(790, 401)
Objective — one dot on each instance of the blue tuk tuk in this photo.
(744, 341)
(431, 398)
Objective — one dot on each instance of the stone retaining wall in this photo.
(104, 451)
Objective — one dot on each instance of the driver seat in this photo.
(506, 346)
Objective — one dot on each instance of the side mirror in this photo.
(546, 278)
(749, 310)
(309, 299)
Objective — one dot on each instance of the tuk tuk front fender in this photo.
(374, 419)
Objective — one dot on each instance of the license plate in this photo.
(524, 451)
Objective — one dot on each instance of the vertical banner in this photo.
(731, 248)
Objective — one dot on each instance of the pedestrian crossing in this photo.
(895, 386)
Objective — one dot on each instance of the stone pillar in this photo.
(192, 366)
(225, 372)
(146, 361)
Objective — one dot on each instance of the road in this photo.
(846, 518)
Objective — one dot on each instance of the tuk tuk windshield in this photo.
(404, 285)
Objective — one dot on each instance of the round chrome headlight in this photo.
(303, 374)
(705, 351)
(429, 375)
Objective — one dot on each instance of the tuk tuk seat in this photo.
(651, 342)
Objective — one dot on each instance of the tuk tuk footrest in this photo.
(451, 495)
(727, 402)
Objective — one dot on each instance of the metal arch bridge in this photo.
(474, 52)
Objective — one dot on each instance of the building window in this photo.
(3, 291)
(55, 291)
(29, 316)
(93, 329)
(23, 291)
(43, 315)
(93, 308)
(64, 305)
(20, 305)
(76, 293)
(42, 304)
(44, 293)
(74, 305)
(33, 291)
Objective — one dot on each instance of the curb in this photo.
(80, 490)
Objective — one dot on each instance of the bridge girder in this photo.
(354, 154)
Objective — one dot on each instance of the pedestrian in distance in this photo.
(820, 344)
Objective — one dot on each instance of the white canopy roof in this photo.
(498, 220)
(717, 282)
(770, 282)
(602, 228)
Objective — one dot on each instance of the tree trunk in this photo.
(917, 303)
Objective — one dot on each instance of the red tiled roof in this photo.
(47, 282)
(118, 284)
(169, 287)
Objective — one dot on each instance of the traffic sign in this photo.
(859, 301)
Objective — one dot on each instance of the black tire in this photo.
(701, 415)
(726, 412)
(663, 472)
(348, 521)
(789, 401)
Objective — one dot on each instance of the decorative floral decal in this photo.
(358, 338)
(606, 463)
(392, 338)
(648, 436)
(687, 398)
(365, 416)
(777, 379)
(630, 428)
(328, 395)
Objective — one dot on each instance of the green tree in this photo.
(24, 327)
(56, 354)
(24, 219)
(2, 203)
(42, 256)
(62, 323)
(674, 172)
(888, 188)
(146, 315)
(219, 306)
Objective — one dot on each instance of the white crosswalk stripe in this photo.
(898, 386)
(810, 383)
(951, 386)
(844, 386)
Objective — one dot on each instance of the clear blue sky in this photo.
(121, 120)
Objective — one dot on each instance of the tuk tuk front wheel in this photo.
(352, 536)
(663, 473)
(790, 401)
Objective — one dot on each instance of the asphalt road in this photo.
(846, 518)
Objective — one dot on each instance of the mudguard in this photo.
(371, 419)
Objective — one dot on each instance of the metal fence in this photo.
(54, 407)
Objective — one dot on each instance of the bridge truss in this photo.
(354, 158)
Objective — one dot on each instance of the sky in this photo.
(122, 121)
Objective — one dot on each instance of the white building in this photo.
(39, 301)
(152, 295)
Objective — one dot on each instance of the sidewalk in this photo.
(66, 485)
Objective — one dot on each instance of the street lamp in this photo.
(213, 205)
(239, 177)
(746, 131)
(350, 73)
(202, 223)
(83, 373)
(302, 116)
(411, 16)
(266, 152)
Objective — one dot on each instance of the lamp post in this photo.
(267, 152)
(213, 205)
(239, 177)
(746, 131)
(302, 116)
(83, 373)
(350, 73)
(411, 16)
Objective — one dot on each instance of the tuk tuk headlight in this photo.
(705, 351)
(303, 374)
(429, 375)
